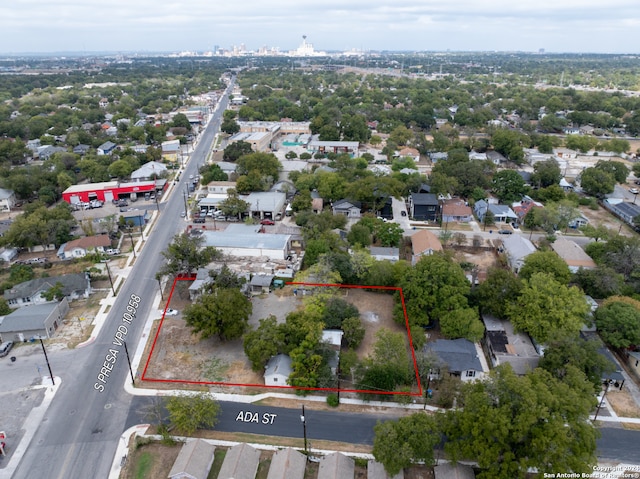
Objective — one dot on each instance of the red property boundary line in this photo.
(325, 285)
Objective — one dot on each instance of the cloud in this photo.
(33, 25)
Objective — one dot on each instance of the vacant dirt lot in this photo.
(180, 355)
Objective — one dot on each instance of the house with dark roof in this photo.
(504, 345)
(336, 466)
(287, 464)
(348, 208)
(194, 460)
(81, 149)
(261, 283)
(29, 293)
(277, 371)
(461, 357)
(240, 462)
(424, 206)
(41, 320)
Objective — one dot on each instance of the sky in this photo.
(589, 26)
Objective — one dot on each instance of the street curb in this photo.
(120, 458)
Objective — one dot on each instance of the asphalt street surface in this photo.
(80, 432)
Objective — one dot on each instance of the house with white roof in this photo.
(149, 171)
(277, 370)
(517, 248)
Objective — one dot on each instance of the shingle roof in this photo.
(70, 283)
(336, 466)
(240, 462)
(89, 242)
(425, 240)
(424, 199)
(195, 459)
(287, 464)
(572, 254)
(457, 354)
(29, 318)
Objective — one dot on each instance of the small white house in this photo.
(277, 370)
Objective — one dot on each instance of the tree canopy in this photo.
(619, 323)
(185, 254)
(224, 313)
(545, 262)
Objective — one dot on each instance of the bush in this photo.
(333, 400)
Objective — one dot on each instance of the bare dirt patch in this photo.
(603, 217)
(622, 403)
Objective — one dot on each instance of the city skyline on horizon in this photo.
(574, 26)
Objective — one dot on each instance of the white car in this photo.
(634, 191)
(171, 312)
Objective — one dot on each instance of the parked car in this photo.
(5, 348)
(505, 232)
(634, 191)
(182, 214)
(267, 221)
(199, 220)
(403, 213)
(171, 312)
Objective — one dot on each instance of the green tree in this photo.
(55, 292)
(548, 309)
(233, 205)
(4, 307)
(617, 169)
(185, 254)
(389, 234)
(120, 169)
(500, 289)
(359, 235)
(180, 120)
(545, 262)
(264, 342)
(579, 353)
(229, 126)
(596, 182)
(223, 313)
(408, 440)
(619, 324)
(508, 186)
(509, 424)
(546, 173)
(354, 331)
(237, 149)
(462, 323)
(600, 232)
(190, 412)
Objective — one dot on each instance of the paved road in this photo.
(615, 444)
(80, 432)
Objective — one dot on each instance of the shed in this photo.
(277, 371)
(375, 470)
(241, 462)
(261, 283)
(336, 466)
(194, 461)
(287, 464)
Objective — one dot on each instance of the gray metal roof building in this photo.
(194, 461)
(336, 466)
(240, 462)
(287, 464)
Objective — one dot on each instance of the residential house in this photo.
(194, 460)
(7, 200)
(424, 243)
(81, 247)
(220, 187)
(338, 147)
(578, 221)
(287, 464)
(437, 156)
(41, 320)
(622, 209)
(565, 153)
(317, 203)
(424, 206)
(496, 158)
(81, 149)
(474, 155)
(501, 213)
(533, 156)
(571, 130)
(240, 462)
(106, 148)
(7, 254)
(103, 103)
(572, 254)
(503, 345)
(149, 171)
(456, 211)
(47, 151)
(412, 153)
(523, 207)
(517, 248)
(440, 122)
(171, 150)
(587, 130)
(565, 185)
(375, 470)
(384, 253)
(348, 208)
(336, 466)
(461, 357)
(277, 371)
(28, 293)
(448, 470)
(261, 283)
(203, 278)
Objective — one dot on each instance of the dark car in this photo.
(505, 232)
(267, 222)
(403, 213)
(199, 220)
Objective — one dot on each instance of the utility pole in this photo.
(606, 388)
(47, 360)
(133, 246)
(126, 351)
(304, 429)
(106, 264)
